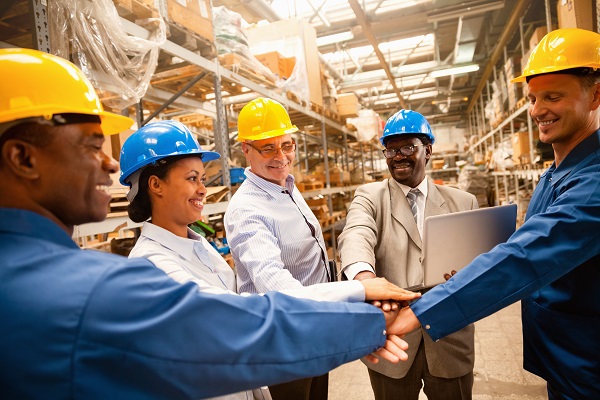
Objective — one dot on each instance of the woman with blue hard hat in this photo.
(162, 163)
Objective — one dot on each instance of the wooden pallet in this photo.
(331, 219)
(313, 185)
(136, 9)
(118, 204)
(292, 96)
(191, 40)
(316, 108)
(239, 65)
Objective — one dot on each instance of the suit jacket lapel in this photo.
(402, 213)
(434, 204)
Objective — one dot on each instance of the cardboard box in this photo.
(437, 164)
(575, 14)
(347, 105)
(194, 15)
(538, 34)
(281, 66)
(293, 38)
(521, 147)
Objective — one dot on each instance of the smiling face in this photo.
(408, 170)
(273, 169)
(178, 199)
(563, 110)
(75, 174)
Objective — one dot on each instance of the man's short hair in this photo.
(588, 76)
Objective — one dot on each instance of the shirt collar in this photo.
(421, 186)
(182, 246)
(270, 187)
(29, 223)
(575, 156)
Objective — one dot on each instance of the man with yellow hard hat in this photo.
(552, 262)
(93, 325)
(275, 239)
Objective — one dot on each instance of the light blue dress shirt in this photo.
(271, 243)
(185, 259)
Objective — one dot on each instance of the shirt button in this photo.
(427, 326)
(384, 332)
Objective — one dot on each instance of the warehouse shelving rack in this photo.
(331, 135)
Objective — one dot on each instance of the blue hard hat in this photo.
(406, 122)
(156, 141)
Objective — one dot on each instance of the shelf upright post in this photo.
(305, 152)
(345, 151)
(222, 134)
(325, 153)
(362, 159)
(40, 35)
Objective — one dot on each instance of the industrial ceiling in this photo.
(401, 53)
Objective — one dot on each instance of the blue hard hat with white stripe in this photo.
(156, 141)
(406, 122)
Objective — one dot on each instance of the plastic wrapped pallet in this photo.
(90, 34)
(232, 43)
(475, 181)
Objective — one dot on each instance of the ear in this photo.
(596, 97)
(21, 158)
(245, 148)
(428, 151)
(155, 186)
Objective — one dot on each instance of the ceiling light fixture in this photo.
(454, 71)
(335, 38)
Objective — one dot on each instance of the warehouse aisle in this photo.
(498, 365)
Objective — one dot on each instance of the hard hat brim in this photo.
(114, 123)
(269, 134)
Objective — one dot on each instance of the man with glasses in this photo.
(382, 237)
(276, 240)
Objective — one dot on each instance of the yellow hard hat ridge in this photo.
(563, 49)
(38, 84)
(263, 118)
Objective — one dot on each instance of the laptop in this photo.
(452, 241)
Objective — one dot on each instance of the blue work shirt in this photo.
(552, 262)
(91, 325)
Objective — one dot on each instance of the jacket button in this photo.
(427, 326)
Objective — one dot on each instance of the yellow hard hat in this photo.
(563, 49)
(263, 118)
(37, 84)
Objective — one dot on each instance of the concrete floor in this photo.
(499, 374)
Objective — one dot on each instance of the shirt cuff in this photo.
(354, 269)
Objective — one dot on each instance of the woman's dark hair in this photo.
(140, 209)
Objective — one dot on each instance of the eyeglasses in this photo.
(407, 151)
(270, 151)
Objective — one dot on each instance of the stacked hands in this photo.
(399, 318)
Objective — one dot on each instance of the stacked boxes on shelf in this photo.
(281, 66)
(193, 15)
(292, 38)
(575, 14)
(512, 69)
(522, 148)
(347, 105)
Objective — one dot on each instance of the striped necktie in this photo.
(412, 201)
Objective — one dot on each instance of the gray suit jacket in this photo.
(380, 230)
